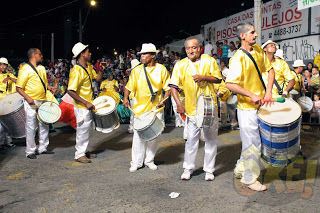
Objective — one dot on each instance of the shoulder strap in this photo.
(44, 86)
(280, 90)
(89, 78)
(153, 95)
(255, 64)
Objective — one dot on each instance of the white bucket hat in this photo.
(4, 61)
(270, 42)
(279, 53)
(148, 48)
(298, 63)
(78, 48)
(225, 72)
(134, 63)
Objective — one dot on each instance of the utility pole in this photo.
(257, 20)
(80, 24)
(52, 47)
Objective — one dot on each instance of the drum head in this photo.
(49, 112)
(105, 105)
(10, 103)
(144, 120)
(232, 99)
(280, 113)
(305, 103)
(200, 111)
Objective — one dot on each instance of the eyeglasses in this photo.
(40, 54)
(193, 47)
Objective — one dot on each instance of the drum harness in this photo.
(264, 86)
(153, 94)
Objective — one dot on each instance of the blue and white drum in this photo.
(279, 127)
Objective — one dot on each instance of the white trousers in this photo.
(178, 119)
(143, 151)
(84, 122)
(132, 115)
(5, 137)
(31, 125)
(210, 147)
(249, 163)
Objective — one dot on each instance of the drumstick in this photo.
(279, 100)
(130, 108)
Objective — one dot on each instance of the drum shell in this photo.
(107, 122)
(232, 102)
(208, 115)
(15, 122)
(280, 144)
(150, 131)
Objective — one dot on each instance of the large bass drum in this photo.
(12, 115)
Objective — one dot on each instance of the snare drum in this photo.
(205, 111)
(48, 112)
(12, 115)
(148, 125)
(232, 102)
(305, 103)
(279, 127)
(106, 119)
(294, 94)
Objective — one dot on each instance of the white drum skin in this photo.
(49, 112)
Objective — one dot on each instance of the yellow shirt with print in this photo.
(80, 82)
(222, 89)
(298, 81)
(6, 88)
(137, 84)
(243, 72)
(182, 77)
(283, 75)
(317, 60)
(109, 85)
(29, 81)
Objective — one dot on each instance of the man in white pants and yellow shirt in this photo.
(142, 151)
(30, 86)
(80, 89)
(196, 74)
(243, 79)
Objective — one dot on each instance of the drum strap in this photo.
(89, 78)
(255, 64)
(280, 90)
(44, 86)
(153, 94)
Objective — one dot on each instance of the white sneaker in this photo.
(133, 168)
(151, 166)
(209, 176)
(186, 174)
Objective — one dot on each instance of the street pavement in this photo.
(56, 183)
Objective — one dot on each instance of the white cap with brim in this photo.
(298, 63)
(4, 61)
(269, 42)
(279, 53)
(148, 48)
(134, 63)
(78, 48)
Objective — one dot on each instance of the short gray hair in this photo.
(243, 28)
(191, 38)
(31, 52)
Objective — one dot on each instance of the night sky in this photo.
(110, 24)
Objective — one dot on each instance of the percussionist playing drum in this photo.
(80, 89)
(196, 75)
(142, 151)
(243, 79)
(32, 84)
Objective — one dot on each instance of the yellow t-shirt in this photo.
(317, 61)
(6, 88)
(298, 81)
(137, 84)
(222, 89)
(182, 77)
(80, 82)
(109, 85)
(243, 72)
(29, 81)
(282, 74)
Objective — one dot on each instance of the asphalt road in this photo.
(56, 183)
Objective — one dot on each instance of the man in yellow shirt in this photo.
(283, 76)
(7, 86)
(32, 85)
(243, 79)
(317, 60)
(80, 89)
(144, 152)
(195, 75)
(298, 67)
